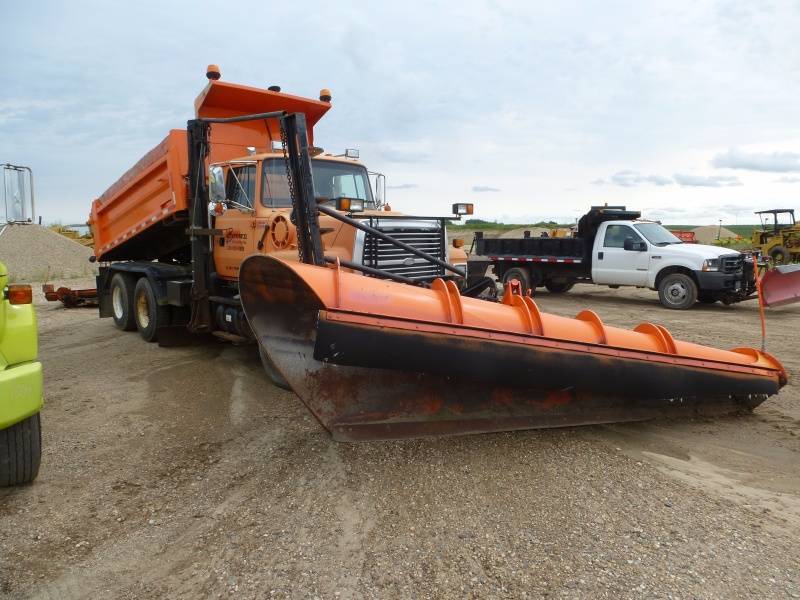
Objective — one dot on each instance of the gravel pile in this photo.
(708, 234)
(35, 253)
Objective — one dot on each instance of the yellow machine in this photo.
(779, 236)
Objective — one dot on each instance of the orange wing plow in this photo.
(375, 359)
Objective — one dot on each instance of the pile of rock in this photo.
(35, 253)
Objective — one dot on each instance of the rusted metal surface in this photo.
(69, 297)
(368, 377)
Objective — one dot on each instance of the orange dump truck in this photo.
(170, 258)
(242, 227)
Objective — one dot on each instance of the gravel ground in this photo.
(35, 253)
(182, 473)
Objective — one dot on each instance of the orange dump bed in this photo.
(143, 216)
(151, 192)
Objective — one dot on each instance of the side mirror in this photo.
(216, 184)
(633, 245)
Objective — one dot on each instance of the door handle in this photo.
(599, 256)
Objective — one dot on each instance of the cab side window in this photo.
(617, 234)
(240, 186)
(275, 191)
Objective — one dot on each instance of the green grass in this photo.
(744, 231)
(481, 225)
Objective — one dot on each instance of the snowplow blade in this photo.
(781, 285)
(374, 359)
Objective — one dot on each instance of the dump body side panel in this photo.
(150, 194)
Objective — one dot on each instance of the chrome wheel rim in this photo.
(116, 302)
(677, 293)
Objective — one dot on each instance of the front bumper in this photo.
(20, 392)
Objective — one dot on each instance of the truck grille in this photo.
(732, 263)
(380, 254)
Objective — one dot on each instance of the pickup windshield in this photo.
(656, 234)
(331, 180)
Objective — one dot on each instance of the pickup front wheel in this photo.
(20, 452)
(677, 291)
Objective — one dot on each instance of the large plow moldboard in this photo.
(373, 377)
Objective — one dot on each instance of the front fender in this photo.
(660, 264)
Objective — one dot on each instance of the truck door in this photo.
(612, 264)
(238, 221)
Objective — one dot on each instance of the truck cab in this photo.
(251, 204)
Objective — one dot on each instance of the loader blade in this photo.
(781, 285)
(367, 369)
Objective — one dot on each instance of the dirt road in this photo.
(183, 473)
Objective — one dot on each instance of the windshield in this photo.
(656, 234)
(331, 180)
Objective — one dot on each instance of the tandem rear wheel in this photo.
(558, 286)
(148, 314)
(521, 274)
(122, 286)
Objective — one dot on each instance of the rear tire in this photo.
(780, 255)
(677, 291)
(274, 375)
(520, 274)
(149, 316)
(122, 301)
(558, 287)
(20, 451)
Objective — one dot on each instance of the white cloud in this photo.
(774, 162)
(484, 188)
(657, 88)
(630, 178)
(788, 179)
(707, 181)
(402, 186)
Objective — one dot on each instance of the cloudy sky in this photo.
(689, 111)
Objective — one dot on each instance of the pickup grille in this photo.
(380, 254)
(732, 263)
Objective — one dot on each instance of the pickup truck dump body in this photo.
(553, 251)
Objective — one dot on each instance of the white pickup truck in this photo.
(614, 247)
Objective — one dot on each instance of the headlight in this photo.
(349, 205)
(711, 264)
